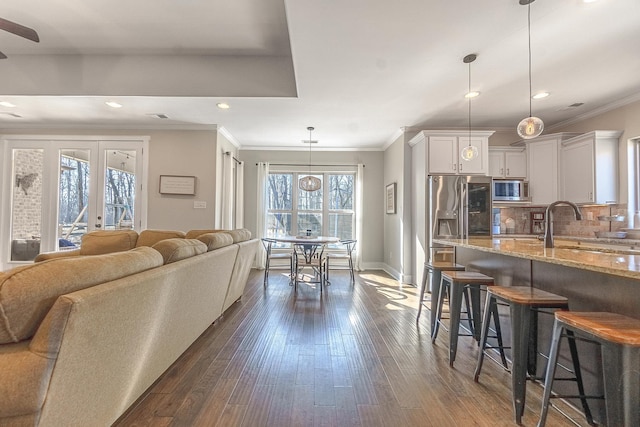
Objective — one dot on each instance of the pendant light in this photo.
(469, 152)
(310, 183)
(531, 126)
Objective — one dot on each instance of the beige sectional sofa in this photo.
(83, 336)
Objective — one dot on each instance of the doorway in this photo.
(59, 188)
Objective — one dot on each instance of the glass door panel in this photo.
(119, 182)
(73, 197)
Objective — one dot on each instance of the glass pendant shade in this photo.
(309, 183)
(469, 153)
(530, 127)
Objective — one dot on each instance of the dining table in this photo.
(309, 247)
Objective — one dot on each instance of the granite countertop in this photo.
(623, 261)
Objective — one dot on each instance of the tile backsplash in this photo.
(564, 222)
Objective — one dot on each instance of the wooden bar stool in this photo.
(524, 304)
(434, 268)
(458, 282)
(619, 339)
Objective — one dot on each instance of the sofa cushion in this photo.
(105, 242)
(27, 293)
(239, 235)
(151, 237)
(216, 240)
(194, 234)
(173, 250)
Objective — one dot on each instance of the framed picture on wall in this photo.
(391, 198)
(174, 184)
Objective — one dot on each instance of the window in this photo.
(329, 211)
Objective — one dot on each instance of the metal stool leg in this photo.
(578, 373)
(423, 288)
(489, 303)
(551, 371)
(438, 313)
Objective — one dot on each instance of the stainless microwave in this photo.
(510, 190)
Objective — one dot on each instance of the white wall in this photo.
(372, 244)
(398, 252)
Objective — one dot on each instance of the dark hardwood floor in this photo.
(354, 356)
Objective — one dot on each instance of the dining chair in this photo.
(268, 246)
(349, 245)
(309, 255)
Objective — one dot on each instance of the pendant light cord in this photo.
(469, 92)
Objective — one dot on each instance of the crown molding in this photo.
(598, 111)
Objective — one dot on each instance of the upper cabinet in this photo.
(507, 162)
(443, 151)
(589, 168)
(543, 162)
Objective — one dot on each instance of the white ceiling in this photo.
(357, 70)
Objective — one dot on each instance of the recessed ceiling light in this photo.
(472, 94)
(540, 95)
(113, 104)
(223, 105)
(589, 1)
(7, 104)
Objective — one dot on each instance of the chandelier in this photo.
(309, 182)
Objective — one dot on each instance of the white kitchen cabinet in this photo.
(443, 152)
(589, 168)
(507, 162)
(543, 154)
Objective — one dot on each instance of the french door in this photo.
(58, 188)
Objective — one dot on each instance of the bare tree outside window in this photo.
(328, 211)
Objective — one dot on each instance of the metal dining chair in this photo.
(268, 246)
(349, 245)
(309, 255)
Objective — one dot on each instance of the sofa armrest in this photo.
(54, 255)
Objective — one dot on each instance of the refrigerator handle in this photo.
(464, 210)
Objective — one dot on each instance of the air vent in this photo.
(569, 107)
(6, 113)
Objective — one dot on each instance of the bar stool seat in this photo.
(435, 268)
(619, 339)
(459, 282)
(524, 304)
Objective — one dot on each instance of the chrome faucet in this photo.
(548, 229)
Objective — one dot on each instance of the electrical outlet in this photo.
(524, 216)
(197, 204)
(390, 255)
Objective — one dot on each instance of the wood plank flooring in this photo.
(354, 356)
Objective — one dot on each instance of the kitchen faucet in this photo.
(548, 229)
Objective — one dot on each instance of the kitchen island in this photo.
(593, 278)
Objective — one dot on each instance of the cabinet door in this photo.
(496, 164)
(443, 156)
(515, 164)
(477, 165)
(578, 172)
(543, 171)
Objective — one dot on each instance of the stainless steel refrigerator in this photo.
(459, 207)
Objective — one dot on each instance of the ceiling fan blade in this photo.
(3, 56)
(19, 30)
